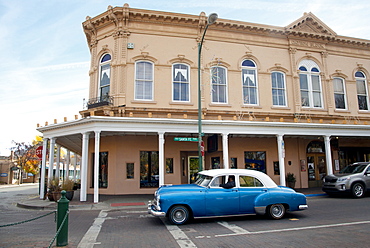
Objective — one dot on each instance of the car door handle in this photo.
(234, 190)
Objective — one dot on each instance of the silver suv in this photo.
(354, 179)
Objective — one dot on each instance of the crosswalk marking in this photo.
(181, 238)
(236, 229)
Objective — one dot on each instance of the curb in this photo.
(315, 195)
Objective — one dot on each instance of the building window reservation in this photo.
(310, 84)
(339, 93)
(362, 91)
(180, 79)
(104, 79)
(149, 169)
(219, 84)
(249, 78)
(144, 80)
(278, 89)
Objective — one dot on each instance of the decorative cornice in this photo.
(307, 27)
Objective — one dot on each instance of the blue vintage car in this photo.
(225, 192)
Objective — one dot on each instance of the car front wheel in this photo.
(276, 211)
(179, 215)
(358, 190)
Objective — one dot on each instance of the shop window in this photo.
(362, 91)
(169, 165)
(149, 169)
(215, 161)
(219, 84)
(278, 89)
(234, 163)
(103, 170)
(130, 170)
(144, 80)
(249, 77)
(255, 161)
(339, 93)
(310, 84)
(180, 79)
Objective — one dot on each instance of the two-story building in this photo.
(276, 99)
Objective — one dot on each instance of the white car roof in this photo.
(264, 178)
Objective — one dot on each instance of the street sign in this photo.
(185, 139)
(39, 152)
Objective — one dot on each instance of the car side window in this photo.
(368, 170)
(217, 181)
(248, 181)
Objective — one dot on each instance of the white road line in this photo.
(236, 229)
(89, 239)
(298, 228)
(181, 238)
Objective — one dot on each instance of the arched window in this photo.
(362, 92)
(278, 88)
(104, 77)
(144, 80)
(249, 78)
(180, 79)
(219, 84)
(339, 93)
(310, 84)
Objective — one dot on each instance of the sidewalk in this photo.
(108, 202)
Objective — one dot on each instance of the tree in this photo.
(25, 158)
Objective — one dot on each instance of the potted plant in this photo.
(68, 186)
(54, 189)
(290, 179)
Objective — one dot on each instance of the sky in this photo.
(44, 57)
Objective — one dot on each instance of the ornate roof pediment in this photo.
(309, 23)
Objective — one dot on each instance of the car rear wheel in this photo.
(358, 190)
(179, 215)
(276, 211)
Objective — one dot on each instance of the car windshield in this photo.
(353, 168)
(203, 180)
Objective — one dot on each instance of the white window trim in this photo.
(135, 90)
(101, 64)
(344, 93)
(188, 82)
(226, 86)
(256, 82)
(367, 92)
(309, 64)
(285, 91)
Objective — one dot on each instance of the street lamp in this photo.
(211, 19)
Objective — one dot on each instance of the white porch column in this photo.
(68, 162)
(57, 166)
(96, 167)
(83, 168)
(43, 168)
(329, 163)
(225, 150)
(161, 158)
(74, 166)
(281, 153)
(51, 158)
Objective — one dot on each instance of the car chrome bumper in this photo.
(303, 207)
(154, 212)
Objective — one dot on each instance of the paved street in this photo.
(329, 222)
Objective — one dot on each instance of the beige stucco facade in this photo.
(245, 117)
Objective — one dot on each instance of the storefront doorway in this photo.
(193, 163)
(316, 164)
